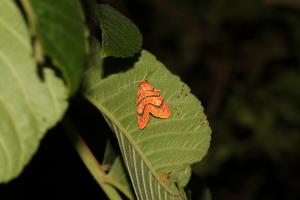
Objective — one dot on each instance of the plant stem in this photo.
(89, 160)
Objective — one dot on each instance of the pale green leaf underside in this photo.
(120, 37)
(165, 145)
(28, 105)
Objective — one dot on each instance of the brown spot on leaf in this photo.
(165, 177)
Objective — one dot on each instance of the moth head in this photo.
(145, 85)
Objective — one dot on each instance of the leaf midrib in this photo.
(130, 139)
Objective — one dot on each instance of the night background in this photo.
(242, 60)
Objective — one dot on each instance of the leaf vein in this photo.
(16, 34)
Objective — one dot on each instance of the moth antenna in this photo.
(150, 73)
(146, 76)
(128, 84)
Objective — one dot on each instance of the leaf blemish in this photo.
(165, 177)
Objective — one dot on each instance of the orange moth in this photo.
(149, 101)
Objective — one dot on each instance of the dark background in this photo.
(241, 59)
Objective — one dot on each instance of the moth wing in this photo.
(144, 94)
(162, 111)
(143, 119)
(156, 101)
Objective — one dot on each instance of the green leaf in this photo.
(59, 25)
(95, 62)
(110, 154)
(29, 104)
(117, 174)
(120, 37)
(165, 146)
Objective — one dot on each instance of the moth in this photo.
(149, 101)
